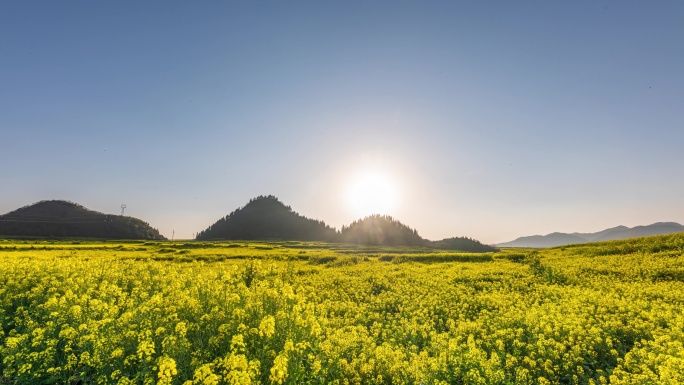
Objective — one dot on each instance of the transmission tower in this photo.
(123, 207)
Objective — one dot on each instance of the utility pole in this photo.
(173, 234)
(123, 207)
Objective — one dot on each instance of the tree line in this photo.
(265, 217)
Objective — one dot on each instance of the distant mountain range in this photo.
(615, 233)
(265, 217)
(62, 219)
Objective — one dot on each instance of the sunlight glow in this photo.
(372, 193)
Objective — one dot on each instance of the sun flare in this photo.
(372, 193)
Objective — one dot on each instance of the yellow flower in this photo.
(118, 352)
(267, 326)
(237, 370)
(279, 369)
(167, 369)
(205, 376)
(145, 350)
(181, 329)
(237, 343)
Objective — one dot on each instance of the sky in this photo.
(488, 119)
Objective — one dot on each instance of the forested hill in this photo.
(381, 230)
(462, 244)
(47, 219)
(265, 217)
(387, 231)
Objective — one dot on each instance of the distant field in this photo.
(82, 312)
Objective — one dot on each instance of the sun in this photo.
(372, 193)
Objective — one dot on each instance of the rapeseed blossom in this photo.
(583, 315)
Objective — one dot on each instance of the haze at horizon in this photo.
(493, 120)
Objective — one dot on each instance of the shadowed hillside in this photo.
(463, 244)
(381, 230)
(47, 219)
(386, 231)
(265, 217)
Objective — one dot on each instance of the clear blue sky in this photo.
(494, 119)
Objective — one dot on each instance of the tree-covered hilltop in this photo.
(386, 231)
(380, 230)
(265, 217)
(62, 219)
(462, 244)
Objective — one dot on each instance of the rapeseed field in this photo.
(188, 313)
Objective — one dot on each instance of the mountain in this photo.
(639, 231)
(381, 230)
(550, 240)
(614, 233)
(56, 218)
(386, 231)
(595, 237)
(462, 244)
(265, 217)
